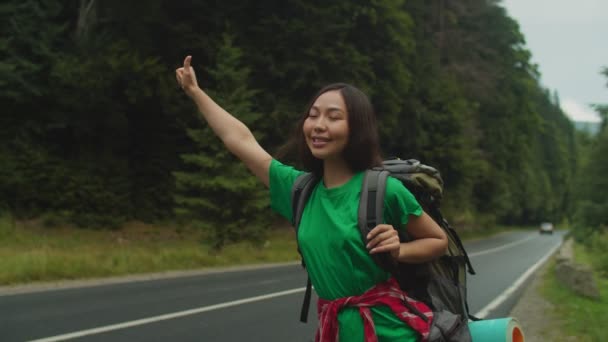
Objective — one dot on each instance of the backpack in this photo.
(440, 283)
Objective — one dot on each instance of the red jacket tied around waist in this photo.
(388, 294)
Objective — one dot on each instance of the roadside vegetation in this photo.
(31, 252)
(581, 317)
(578, 316)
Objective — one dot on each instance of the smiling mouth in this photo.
(319, 142)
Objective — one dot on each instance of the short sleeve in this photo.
(282, 178)
(399, 203)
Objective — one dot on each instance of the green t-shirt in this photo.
(336, 259)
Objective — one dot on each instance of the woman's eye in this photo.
(313, 114)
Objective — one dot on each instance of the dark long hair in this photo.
(362, 150)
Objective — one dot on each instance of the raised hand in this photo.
(384, 238)
(186, 77)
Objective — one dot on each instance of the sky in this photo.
(569, 43)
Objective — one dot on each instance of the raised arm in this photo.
(234, 134)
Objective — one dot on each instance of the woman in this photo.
(337, 139)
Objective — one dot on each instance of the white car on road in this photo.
(546, 228)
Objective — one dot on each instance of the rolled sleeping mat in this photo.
(496, 330)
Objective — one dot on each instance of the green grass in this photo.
(581, 317)
(30, 252)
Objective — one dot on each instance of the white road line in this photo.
(509, 291)
(496, 249)
(154, 319)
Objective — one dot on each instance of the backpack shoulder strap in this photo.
(301, 190)
(371, 211)
(371, 202)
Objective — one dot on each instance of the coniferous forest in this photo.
(95, 132)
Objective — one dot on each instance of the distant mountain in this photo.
(587, 126)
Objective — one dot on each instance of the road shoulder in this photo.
(536, 314)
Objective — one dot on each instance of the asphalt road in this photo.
(248, 305)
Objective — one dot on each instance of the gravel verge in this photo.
(535, 314)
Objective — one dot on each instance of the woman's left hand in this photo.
(384, 238)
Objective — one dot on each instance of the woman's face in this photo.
(326, 127)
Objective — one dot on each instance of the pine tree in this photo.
(216, 190)
(592, 207)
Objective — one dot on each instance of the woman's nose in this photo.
(319, 124)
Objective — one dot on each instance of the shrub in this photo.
(599, 249)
